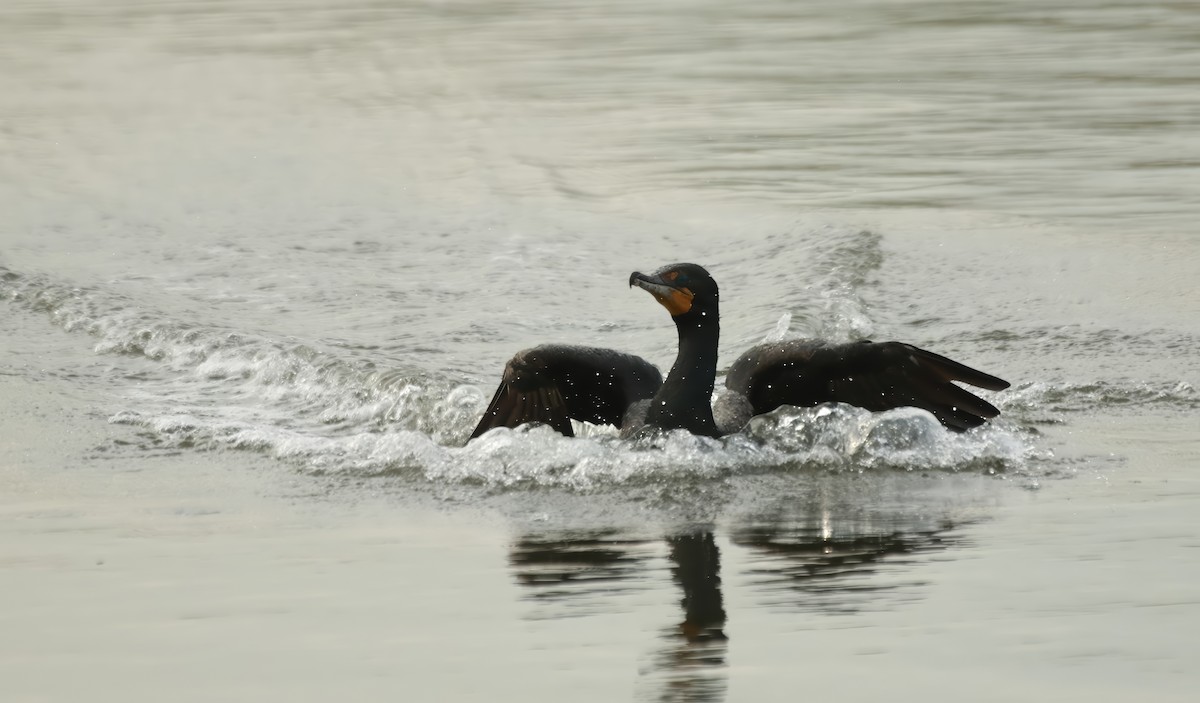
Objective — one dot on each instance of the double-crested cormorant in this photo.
(554, 384)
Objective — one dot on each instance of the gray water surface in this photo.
(261, 265)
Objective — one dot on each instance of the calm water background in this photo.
(261, 264)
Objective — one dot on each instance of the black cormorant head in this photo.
(681, 289)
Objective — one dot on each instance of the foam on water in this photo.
(828, 438)
(331, 411)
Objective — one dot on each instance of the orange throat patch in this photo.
(677, 302)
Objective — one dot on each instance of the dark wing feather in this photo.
(875, 376)
(554, 384)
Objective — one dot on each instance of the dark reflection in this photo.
(817, 556)
(813, 570)
(587, 569)
(579, 568)
(697, 570)
(693, 660)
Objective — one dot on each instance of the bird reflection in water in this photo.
(807, 566)
(581, 570)
(693, 662)
(816, 564)
(573, 568)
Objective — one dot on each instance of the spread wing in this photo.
(554, 384)
(875, 376)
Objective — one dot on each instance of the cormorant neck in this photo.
(685, 398)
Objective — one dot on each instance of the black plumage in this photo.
(554, 384)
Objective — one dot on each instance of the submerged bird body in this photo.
(553, 384)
